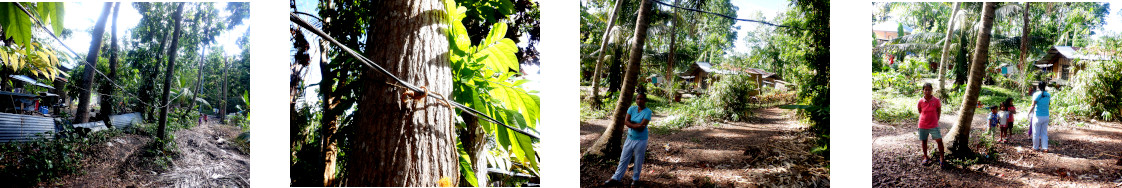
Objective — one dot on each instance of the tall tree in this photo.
(946, 50)
(596, 103)
(959, 135)
(83, 113)
(398, 142)
(164, 106)
(670, 57)
(107, 86)
(610, 142)
(1025, 30)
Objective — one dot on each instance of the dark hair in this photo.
(1042, 85)
(643, 94)
(927, 85)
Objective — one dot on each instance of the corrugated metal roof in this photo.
(30, 81)
(22, 128)
(126, 120)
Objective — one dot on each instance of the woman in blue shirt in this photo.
(635, 148)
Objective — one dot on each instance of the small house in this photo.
(1065, 61)
(700, 76)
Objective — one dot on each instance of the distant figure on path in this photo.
(929, 109)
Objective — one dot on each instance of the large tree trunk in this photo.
(946, 51)
(1025, 29)
(225, 88)
(178, 16)
(959, 135)
(398, 142)
(107, 87)
(603, 50)
(83, 113)
(610, 142)
(669, 81)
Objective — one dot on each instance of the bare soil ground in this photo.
(207, 158)
(771, 151)
(1079, 156)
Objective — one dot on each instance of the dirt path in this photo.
(1079, 156)
(712, 155)
(207, 159)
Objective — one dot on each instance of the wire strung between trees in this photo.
(727, 16)
(89, 65)
(370, 64)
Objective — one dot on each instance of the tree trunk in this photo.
(603, 50)
(946, 51)
(153, 69)
(399, 142)
(178, 16)
(225, 88)
(1025, 30)
(959, 135)
(199, 73)
(82, 115)
(475, 144)
(198, 84)
(669, 79)
(610, 142)
(107, 87)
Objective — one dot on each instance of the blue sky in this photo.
(82, 16)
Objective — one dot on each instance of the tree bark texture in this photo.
(107, 87)
(82, 115)
(603, 51)
(946, 51)
(959, 135)
(611, 141)
(405, 142)
(178, 15)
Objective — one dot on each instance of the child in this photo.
(929, 107)
(1011, 111)
(994, 121)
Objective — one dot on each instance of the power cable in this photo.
(293, 17)
(726, 16)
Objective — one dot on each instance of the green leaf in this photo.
(466, 167)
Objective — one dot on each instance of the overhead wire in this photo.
(370, 64)
(89, 65)
(726, 16)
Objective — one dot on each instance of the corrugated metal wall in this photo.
(22, 128)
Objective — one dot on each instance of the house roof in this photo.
(1069, 53)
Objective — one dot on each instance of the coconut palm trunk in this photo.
(83, 113)
(404, 142)
(946, 50)
(603, 50)
(959, 135)
(611, 141)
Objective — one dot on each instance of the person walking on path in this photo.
(635, 148)
(929, 108)
(1040, 103)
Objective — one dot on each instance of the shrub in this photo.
(730, 96)
(1095, 92)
